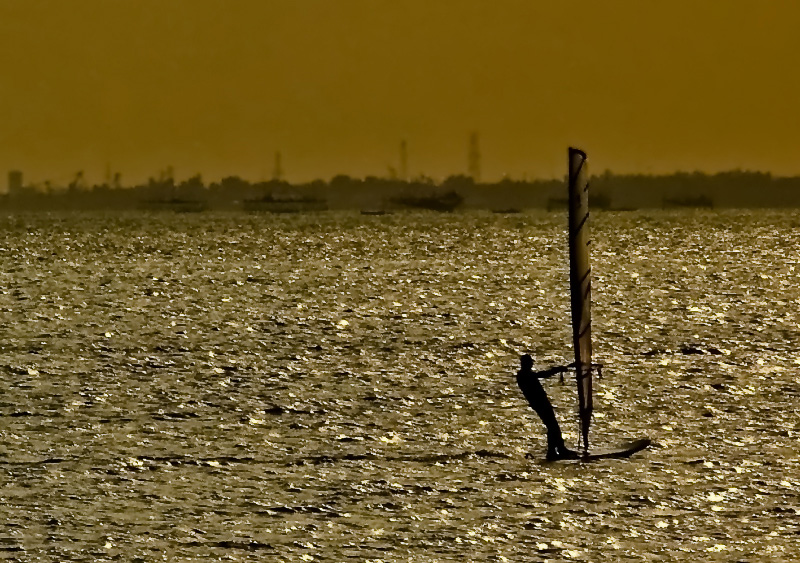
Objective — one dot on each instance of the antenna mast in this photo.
(474, 158)
(277, 170)
(403, 161)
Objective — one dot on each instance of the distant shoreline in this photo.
(735, 189)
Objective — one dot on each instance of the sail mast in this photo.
(580, 275)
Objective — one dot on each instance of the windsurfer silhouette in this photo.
(528, 381)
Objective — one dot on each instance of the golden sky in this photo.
(218, 86)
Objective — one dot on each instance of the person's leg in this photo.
(555, 442)
(562, 450)
(556, 449)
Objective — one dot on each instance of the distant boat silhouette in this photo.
(272, 204)
(175, 204)
(445, 202)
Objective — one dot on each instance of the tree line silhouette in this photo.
(732, 189)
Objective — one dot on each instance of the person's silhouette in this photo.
(528, 381)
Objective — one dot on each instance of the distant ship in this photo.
(272, 204)
(176, 205)
(445, 202)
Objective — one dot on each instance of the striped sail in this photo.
(580, 275)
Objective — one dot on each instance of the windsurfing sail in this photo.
(580, 285)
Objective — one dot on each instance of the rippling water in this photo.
(340, 387)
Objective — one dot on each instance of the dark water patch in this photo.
(35, 463)
(330, 459)
(175, 415)
(441, 458)
(177, 461)
(277, 410)
(230, 544)
(303, 509)
(453, 457)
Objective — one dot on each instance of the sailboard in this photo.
(580, 281)
(621, 451)
(580, 285)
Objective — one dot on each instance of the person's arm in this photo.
(552, 371)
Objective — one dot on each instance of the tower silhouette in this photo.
(403, 161)
(474, 158)
(277, 170)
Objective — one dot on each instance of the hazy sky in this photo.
(217, 87)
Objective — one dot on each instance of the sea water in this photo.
(339, 387)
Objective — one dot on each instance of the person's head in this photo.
(526, 361)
